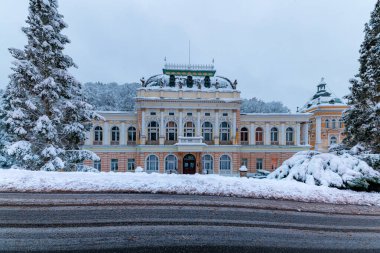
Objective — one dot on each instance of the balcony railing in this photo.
(170, 142)
(274, 143)
(259, 143)
(225, 142)
(209, 142)
(190, 140)
(114, 143)
(131, 143)
(244, 142)
(150, 142)
(290, 143)
(98, 143)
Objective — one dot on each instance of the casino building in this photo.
(188, 120)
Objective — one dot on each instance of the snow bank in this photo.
(313, 168)
(42, 181)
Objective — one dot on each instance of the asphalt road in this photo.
(175, 223)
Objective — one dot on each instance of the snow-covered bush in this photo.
(139, 169)
(314, 168)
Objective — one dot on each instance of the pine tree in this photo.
(46, 116)
(362, 119)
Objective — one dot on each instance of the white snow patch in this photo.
(42, 181)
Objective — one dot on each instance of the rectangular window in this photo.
(189, 114)
(259, 164)
(153, 113)
(114, 164)
(97, 165)
(207, 114)
(131, 164)
(244, 161)
(225, 114)
(171, 113)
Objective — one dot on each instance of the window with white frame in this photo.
(98, 134)
(131, 164)
(171, 131)
(289, 136)
(207, 164)
(153, 131)
(224, 131)
(189, 129)
(171, 164)
(98, 165)
(259, 164)
(333, 140)
(259, 136)
(225, 164)
(327, 123)
(114, 164)
(207, 131)
(274, 135)
(115, 135)
(333, 124)
(244, 135)
(131, 133)
(151, 163)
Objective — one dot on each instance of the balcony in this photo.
(170, 142)
(131, 143)
(209, 142)
(97, 143)
(274, 143)
(114, 143)
(190, 144)
(150, 142)
(290, 143)
(244, 142)
(259, 143)
(225, 142)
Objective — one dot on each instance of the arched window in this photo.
(333, 124)
(327, 123)
(224, 130)
(207, 164)
(259, 136)
(289, 136)
(171, 164)
(225, 164)
(151, 164)
(132, 134)
(153, 129)
(274, 136)
(171, 131)
(98, 135)
(341, 123)
(333, 140)
(189, 129)
(115, 135)
(244, 136)
(207, 132)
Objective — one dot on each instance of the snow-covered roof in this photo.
(322, 97)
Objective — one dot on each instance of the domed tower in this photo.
(326, 125)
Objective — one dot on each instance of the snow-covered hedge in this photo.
(314, 168)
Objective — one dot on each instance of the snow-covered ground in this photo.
(40, 181)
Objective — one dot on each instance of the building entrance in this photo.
(189, 164)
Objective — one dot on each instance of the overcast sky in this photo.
(276, 49)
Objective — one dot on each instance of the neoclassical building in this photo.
(188, 120)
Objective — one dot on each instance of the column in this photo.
(283, 134)
(252, 134)
(216, 128)
(267, 134)
(122, 134)
(298, 134)
(180, 124)
(106, 134)
(199, 133)
(234, 127)
(318, 124)
(162, 128)
(306, 133)
(88, 139)
(143, 128)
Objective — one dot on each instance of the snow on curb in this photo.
(40, 181)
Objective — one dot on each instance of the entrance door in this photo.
(189, 164)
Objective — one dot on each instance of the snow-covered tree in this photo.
(255, 105)
(4, 159)
(362, 119)
(46, 115)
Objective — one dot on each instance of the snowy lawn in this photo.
(40, 181)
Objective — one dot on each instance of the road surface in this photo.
(180, 223)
